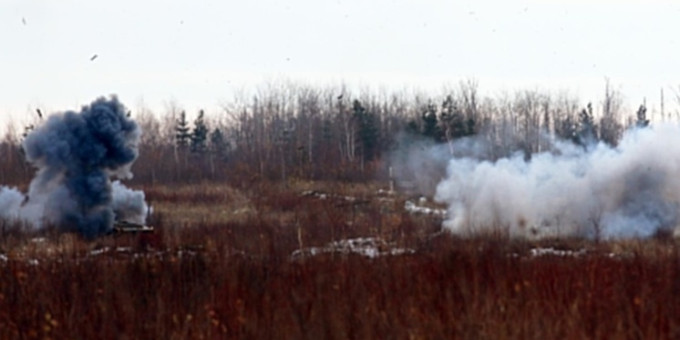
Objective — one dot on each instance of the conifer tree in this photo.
(642, 120)
(218, 144)
(430, 125)
(199, 135)
(587, 132)
(368, 130)
(182, 135)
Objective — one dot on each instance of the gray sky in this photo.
(198, 53)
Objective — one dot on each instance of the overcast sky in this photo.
(59, 55)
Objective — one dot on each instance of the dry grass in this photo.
(212, 272)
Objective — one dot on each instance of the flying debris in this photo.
(39, 113)
(92, 58)
(27, 129)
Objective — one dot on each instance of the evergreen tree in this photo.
(470, 126)
(182, 135)
(642, 120)
(430, 125)
(218, 144)
(567, 129)
(199, 135)
(453, 123)
(368, 130)
(446, 117)
(412, 127)
(587, 132)
(327, 131)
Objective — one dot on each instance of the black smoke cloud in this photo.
(77, 154)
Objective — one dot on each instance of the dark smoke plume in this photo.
(77, 154)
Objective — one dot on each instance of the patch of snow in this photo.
(323, 196)
(96, 252)
(416, 209)
(182, 253)
(676, 232)
(537, 252)
(371, 247)
(383, 192)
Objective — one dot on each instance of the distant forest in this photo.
(301, 132)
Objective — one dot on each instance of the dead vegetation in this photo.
(223, 264)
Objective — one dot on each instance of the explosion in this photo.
(77, 154)
(598, 191)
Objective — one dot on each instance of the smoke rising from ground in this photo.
(632, 190)
(76, 155)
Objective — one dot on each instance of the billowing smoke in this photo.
(77, 154)
(632, 190)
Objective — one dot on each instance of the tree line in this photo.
(303, 132)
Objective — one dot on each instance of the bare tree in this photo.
(610, 122)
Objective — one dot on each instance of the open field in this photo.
(270, 262)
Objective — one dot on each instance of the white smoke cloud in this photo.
(632, 190)
(128, 205)
(10, 203)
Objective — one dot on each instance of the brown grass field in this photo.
(220, 266)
